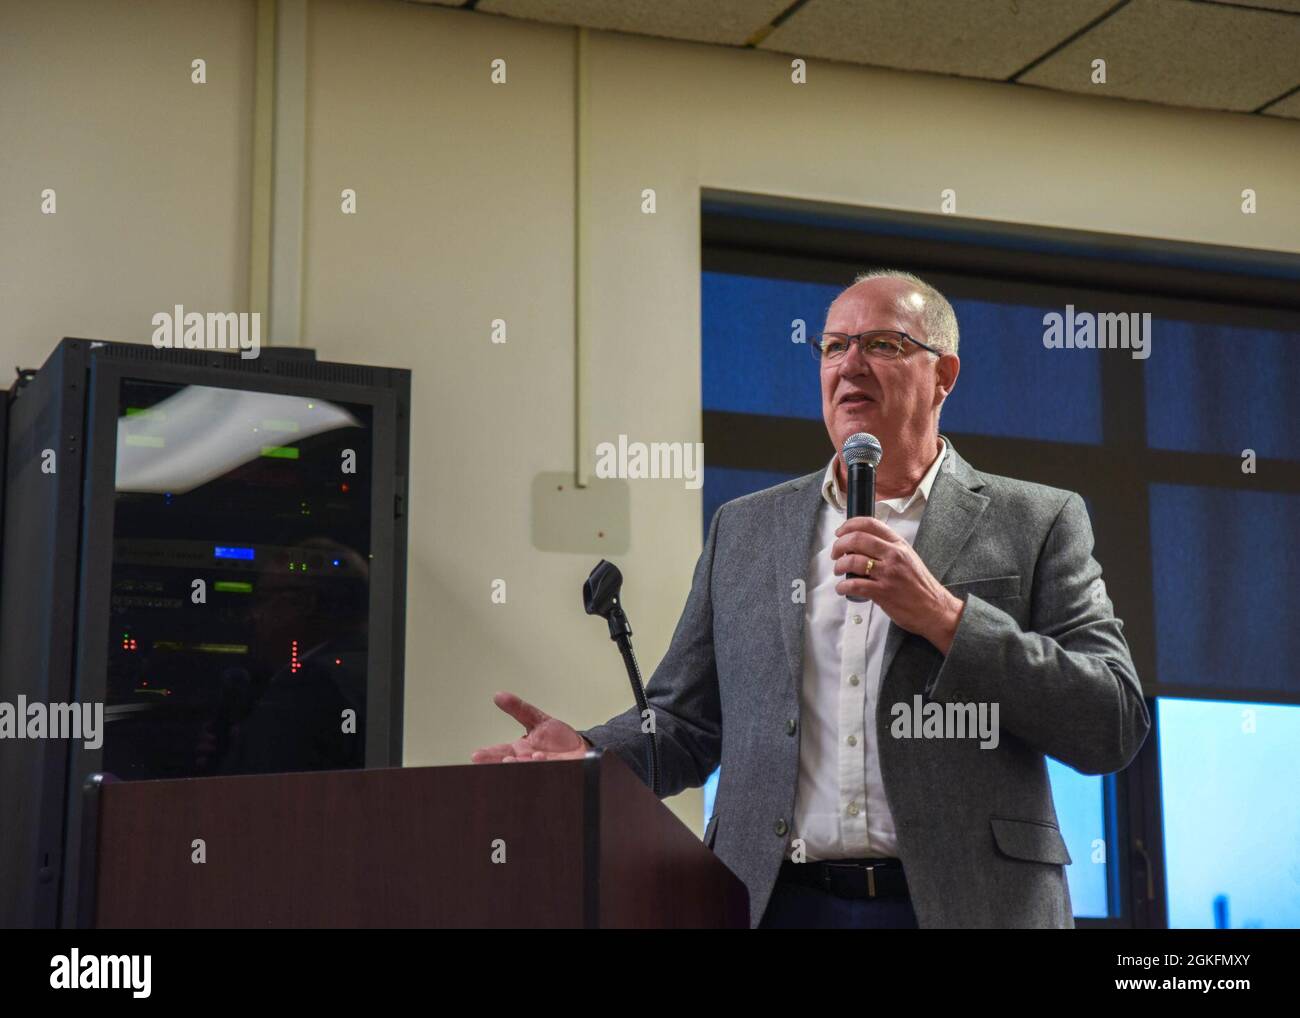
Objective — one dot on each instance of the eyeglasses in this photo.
(882, 344)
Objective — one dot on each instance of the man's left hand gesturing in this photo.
(896, 579)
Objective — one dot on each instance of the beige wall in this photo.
(151, 172)
(465, 214)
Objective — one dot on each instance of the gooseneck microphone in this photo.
(861, 455)
(600, 596)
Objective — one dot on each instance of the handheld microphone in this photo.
(862, 455)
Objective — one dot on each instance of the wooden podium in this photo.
(579, 843)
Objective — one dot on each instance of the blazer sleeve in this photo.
(682, 694)
(1068, 686)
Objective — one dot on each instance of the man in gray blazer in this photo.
(881, 692)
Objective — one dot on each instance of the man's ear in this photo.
(945, 376)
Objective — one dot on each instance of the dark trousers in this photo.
(799, 907)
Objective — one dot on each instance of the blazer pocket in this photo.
(993, 586)
(711, 831)
(1029, 839)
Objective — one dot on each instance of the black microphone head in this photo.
(600, 592)
(862, 448)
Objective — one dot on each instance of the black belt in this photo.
(850, 878)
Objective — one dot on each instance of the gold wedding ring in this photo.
(870, 562)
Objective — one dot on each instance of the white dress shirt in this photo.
(840, 807)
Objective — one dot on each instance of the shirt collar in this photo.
(836, 499)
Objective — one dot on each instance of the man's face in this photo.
(893, 400)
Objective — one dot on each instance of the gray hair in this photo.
(937, 319)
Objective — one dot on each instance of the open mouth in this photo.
(855, 398)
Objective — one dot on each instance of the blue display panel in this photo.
(710, 793)
(1231, 813)
(1221, 389)
(1081, 812)
(1226, 576)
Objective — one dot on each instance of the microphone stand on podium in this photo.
(600, 595)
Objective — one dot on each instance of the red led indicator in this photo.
(294, 662)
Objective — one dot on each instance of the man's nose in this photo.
(854, 362)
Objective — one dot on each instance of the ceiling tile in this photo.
(1205, 55)
(718, 21)
(976, 38)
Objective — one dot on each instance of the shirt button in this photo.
(853, 680)
(781, 827)
(857, 620)
(853, 809)
(790, 727)
(853, 740)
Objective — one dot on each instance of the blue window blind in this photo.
(1215, 388)
(1010, 384)
(1226, 577)
(722, 484)
(749, 362)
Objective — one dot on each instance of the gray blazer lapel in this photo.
(792, 548)
(953, 509)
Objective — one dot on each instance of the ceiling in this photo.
(1242, 56)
